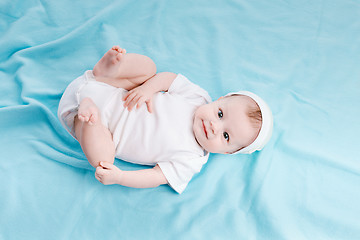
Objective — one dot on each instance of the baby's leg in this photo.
(95, 139)
(124, 70)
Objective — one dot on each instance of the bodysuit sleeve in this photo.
(191, 92)
(180, 170)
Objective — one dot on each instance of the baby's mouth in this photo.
(204, 128)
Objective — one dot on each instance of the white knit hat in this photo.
(266, 126)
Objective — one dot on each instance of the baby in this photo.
(124, 109)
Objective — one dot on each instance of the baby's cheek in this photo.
(214, 146)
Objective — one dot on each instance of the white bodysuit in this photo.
(164, 137)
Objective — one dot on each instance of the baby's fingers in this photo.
(99, 174)
(133, 102)
(140, 102)
(149, 105)
(97, 177)
(129, 98)
(129, 94)
(126, 95)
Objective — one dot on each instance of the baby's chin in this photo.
(198, 137)
(200, 145)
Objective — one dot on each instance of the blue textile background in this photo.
(301, 56)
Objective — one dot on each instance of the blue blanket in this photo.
(302, 57)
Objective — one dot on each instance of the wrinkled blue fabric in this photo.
(302, 57)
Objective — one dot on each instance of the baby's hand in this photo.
(107, 173)
(138, 96)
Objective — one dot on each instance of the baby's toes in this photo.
(118, 57)
(93, 119)
(116, 48)
(86, 114)
(83, 118)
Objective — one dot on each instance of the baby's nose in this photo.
(215, 127)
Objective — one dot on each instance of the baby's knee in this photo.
(148, 66)
(151, 66)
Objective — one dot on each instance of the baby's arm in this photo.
(143, 93)
(108, 173)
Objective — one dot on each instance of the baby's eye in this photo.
(226, 136)
(220, 113)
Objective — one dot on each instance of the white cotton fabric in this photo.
(164, 137)
(266, 126)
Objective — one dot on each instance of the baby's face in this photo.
(223, 126)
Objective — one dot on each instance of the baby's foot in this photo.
(108, 65)
(88, 111)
